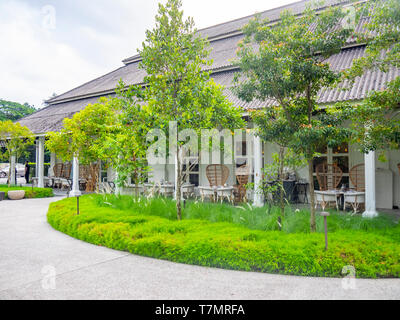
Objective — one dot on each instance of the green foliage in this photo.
(375, 122)
(85, 133)
(17, 138)
(29, 192)
(287, 64)
(14, 111)
(381, 35)
(177, 89)
(374, 253)
(126, 147)
(245, 215)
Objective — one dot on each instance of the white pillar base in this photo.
(370, 214)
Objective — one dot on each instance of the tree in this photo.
(272, 126)
(177, 89)
(84, 135)
(14, 111)
(374, 123)
(17, 139)
(126, 147)
(286, 63)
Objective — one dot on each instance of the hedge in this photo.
(29, 192)
(229, 246)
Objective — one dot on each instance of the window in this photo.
(103, 171)
(244, 155)
(191, 170)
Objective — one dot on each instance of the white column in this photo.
(12, 168)
(118, 189)
(40, 162)
(258, 196)
(53, 160)
(370, 192)
(37, 158)
(75, 192)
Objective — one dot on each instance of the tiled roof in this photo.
(222, 54)
(51, 118)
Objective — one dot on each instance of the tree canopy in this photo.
(286, 64)
(375, 122)
(177, 88)
(17, 139)
(14, 111)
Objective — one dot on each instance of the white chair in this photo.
(225, 193)
(324, 198)
(354, 199)
(207, 192)
(188, 190)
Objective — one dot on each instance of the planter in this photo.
(16, 195)
(2, 196)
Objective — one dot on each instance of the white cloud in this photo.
(89, 39)
(33, 62)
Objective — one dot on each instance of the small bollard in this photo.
(326, 215)
(77, 205)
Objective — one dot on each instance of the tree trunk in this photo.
(178, 186)
(312, 196)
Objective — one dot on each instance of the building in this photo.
(223, 40)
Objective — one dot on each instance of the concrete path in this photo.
(37, 262)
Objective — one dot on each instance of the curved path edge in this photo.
(38, 262)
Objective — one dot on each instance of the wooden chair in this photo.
(324, 199)
(357, 177)
(217, 174)
(328, 176)
(66, 176)
(355, 199)
(242, 176)
(57, 171)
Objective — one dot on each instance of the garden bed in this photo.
(245, 241)
(29, 192)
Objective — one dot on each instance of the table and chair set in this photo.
(329, 177)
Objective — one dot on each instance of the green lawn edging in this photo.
(229, 246)
(30, 193)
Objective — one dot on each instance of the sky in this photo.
(51, 46)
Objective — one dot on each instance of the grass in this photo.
(29, 192)
(233, 238)
(295, 221)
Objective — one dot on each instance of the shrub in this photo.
(373, 252)
(29, 192)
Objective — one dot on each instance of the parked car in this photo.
(20, 171)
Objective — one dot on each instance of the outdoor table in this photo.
(167, 189)
(224, 192)
(188, 190)
(344, 193)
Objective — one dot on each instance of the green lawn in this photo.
(29, 192)
(241, 238)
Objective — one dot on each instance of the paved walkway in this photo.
(31, 252)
